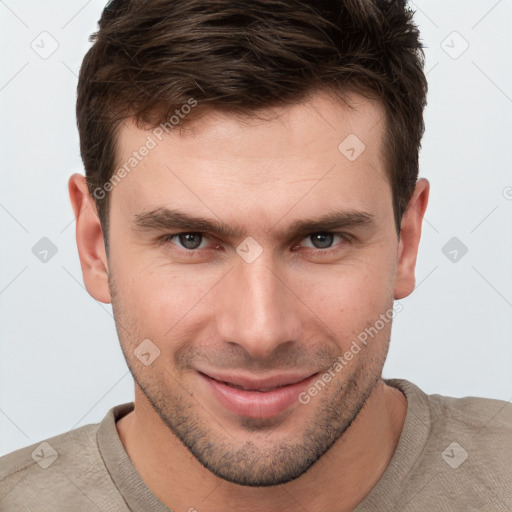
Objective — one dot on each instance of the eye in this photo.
(188, 241)
(319, 243)
(325, 239)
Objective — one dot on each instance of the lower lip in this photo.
(257, 404)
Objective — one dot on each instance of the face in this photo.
(247, 310)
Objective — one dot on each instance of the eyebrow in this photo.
(164, 219)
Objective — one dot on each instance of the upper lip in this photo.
(258, 383)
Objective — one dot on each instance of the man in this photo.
(252, 210)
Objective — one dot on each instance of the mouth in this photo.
(252, 397)
(260, 390)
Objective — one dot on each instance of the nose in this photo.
(256, 308)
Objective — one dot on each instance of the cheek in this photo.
(171, 304)
(351, 286)
(162, 302)
(351, 298)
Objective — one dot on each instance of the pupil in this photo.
(324, 240)
(187, 240)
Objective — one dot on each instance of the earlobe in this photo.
(89, 239)
(410, 234)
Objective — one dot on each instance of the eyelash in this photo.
(316, 252)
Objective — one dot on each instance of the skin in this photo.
(289, 310)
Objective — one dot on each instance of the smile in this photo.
(256, 398)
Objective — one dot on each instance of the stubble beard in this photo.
(257, 461)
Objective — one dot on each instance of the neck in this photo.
(360, 457)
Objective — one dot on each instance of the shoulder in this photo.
(65, 472)
(45, 453)
(484, 422)
(469, 415)
(463, 451)
(472, 440)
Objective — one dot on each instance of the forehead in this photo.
(321, 149)
(294, 123)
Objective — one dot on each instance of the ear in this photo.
(89, 239)
(410, 233)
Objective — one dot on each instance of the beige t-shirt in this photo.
(454, 454)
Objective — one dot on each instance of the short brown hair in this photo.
(150, 57)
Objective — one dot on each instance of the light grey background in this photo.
(60, 363)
